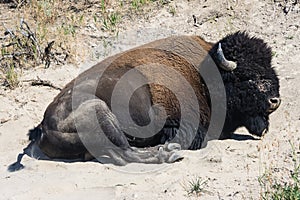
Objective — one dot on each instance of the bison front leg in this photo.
(100, 132)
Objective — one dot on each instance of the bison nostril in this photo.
(275, 102)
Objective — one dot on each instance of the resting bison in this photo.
(84, 108)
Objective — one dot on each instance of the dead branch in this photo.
(21, 48)
(18, 4)
(8, 31)
(40, 82)
(10, 44)
(3, 121)
(48, 55)
(30, 34)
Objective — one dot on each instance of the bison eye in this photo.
(264, 85)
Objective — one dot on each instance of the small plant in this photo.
(137, 4)
(74, 22)
(103, 6)
(289, 37)
(273, 190)
(45, 11)
(11, 77)
(196, 186)
(68, 29)
(113, 19)
(172, 10)
(110, 21)
(110, 18)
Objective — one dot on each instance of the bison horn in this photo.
(223, 62)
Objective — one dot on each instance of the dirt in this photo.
(230, 167)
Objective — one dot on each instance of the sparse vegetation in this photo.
(274, 54)
(59, 24)
(11, 77)
(21, 49)
(172, 10)
(196, 186)
(110, 21)
(272, 189)
(136, 4)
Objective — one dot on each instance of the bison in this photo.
(142, 121)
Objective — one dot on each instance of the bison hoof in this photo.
(175, 157)
(170, 152)
(170, 147)
(173, 147)
(15, 167)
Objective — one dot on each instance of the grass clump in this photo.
(172, 10)
(110, 21)
(275, 190)
(11, 77)
(136, 4)
(196, 186)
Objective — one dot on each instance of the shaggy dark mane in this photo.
(246, 104)
(249, 52)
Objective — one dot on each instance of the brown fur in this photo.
(180, 53)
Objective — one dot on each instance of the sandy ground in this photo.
(230, 167)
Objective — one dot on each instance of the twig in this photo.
(48, 55)
(3, 38)
(3, 121)
(195, 21)
(10, 44)
(45, 83)
(8, 31)
(19, 4)
(14, 55)
(40, 82)
(30, 35)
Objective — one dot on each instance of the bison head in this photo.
(252, 86)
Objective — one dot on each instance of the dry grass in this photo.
(60, 28)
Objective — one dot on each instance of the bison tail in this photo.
(35, 134)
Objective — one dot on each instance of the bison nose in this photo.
(274, 104)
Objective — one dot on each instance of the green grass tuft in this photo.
(196, 186)
(273, 190)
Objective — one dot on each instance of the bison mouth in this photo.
(258, 125)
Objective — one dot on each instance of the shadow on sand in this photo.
(243, 137)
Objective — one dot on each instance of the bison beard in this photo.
(252, 93)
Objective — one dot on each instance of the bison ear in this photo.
(225, 64)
